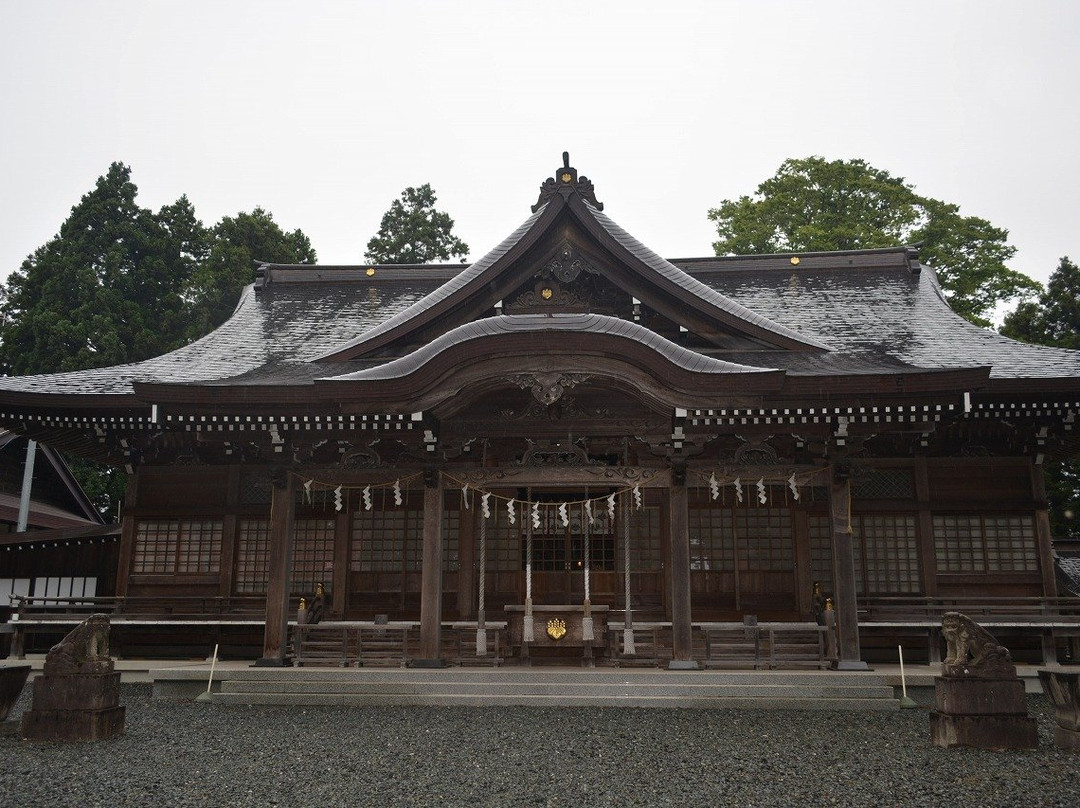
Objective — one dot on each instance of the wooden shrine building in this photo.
(574, 422)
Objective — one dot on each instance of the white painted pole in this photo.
(903, 681)
(27, 483)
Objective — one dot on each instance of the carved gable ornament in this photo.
(547, 388)
(567, 182)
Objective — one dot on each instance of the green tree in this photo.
(120, 283)
(414, 232)
(237, 244)
(107, 289)
(1055, 320)
(813, 204)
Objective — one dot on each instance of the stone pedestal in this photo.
(982, 713)
(1063, 691)
(79, 707)
(12, 679)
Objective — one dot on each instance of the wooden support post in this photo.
(340, 582)
(1044, 538)
(681, 626)
(282, 510)
(847, 614)
(466, 582)
(927, 551)
(431, 589)
(127, 534)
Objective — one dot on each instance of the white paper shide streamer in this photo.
(307, 491)
(563, 516)
(338, 503)
(762, 497)
(637, 498)
(367, 497)
(397, 492)
(714, 486)
(738, 488)
(484, 507)
(794, 488)
(511, 513)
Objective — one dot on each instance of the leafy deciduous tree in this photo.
(236, 244)
(120, 283)
(813, 204)
(414, 232)
(1055, 320)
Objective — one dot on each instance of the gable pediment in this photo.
(569, 257)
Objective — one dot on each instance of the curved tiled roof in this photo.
(884, 314)
(446, 290)
(281, 326)
(591, 324)
(678, 277)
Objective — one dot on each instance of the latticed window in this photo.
(252, 556)
(380, 538)
(968, 543)
(821, 562)
(313, 554)
(712, 542)
(886, 554)
(504, 551)
(765, 539)
(451, 535)
(175, 546)
(646, 550)
(884, 484)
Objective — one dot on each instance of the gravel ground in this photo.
(183, 753)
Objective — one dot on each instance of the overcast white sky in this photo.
(322, 112)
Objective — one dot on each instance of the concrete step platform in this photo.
(607, 700)
(546, 687)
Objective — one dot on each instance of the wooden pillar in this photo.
(1044, 538)
(431, 589)
(229, 534)
(847, 616)
(466, 586)
(282, 510)
(927, 550)
(127, 533)
(340, 583)
(804, 584)
(681, 626)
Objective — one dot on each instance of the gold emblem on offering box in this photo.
(556, 628)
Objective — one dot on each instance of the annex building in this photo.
(575, 429)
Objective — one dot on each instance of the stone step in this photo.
(521, 700)
(420, 687)
(547, 675)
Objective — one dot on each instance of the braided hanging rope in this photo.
(628, 624)
(527, 623)
(481, 631)
(587, 628)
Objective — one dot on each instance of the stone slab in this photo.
(980, 696)
(77, 692)
(984, 731)
(72, 725)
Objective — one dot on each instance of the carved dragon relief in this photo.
(547, 388)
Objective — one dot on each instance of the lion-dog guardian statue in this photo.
(980, 699)
(77, 697)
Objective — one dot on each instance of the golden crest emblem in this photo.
(556, 628)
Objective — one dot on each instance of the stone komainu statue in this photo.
(972, 650)
(84, 650)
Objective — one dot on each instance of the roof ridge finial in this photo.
(568, 182)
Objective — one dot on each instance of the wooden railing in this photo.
(1047, 618)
